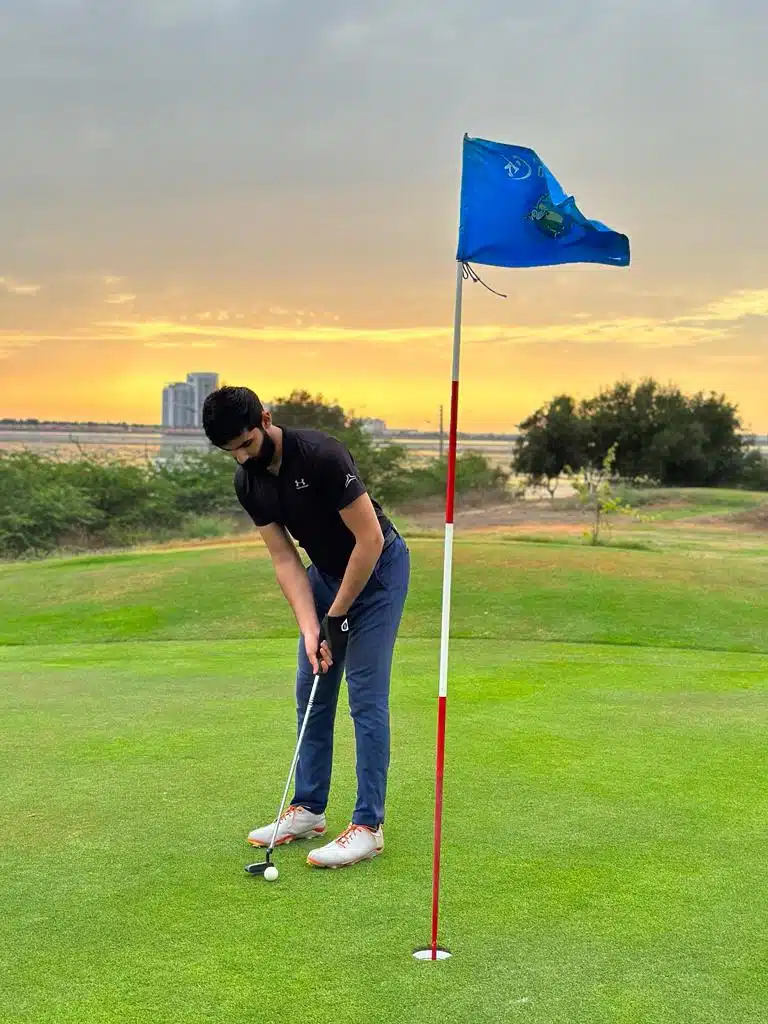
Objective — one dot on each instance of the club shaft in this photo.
(295, 761)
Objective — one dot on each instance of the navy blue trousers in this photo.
(374, 619)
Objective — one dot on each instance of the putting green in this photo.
(604, 849)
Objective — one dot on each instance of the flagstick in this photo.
(446, 615)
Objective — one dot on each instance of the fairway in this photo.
(605, 847)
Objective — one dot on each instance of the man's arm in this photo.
(360, 517)
(292, 577)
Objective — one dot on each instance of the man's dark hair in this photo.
(228, 412)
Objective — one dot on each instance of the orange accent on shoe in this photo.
(342, 840)
(348, 864)
(318, 831)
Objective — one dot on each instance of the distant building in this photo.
(179, 405)
(204, 384)
(376, 427)
(183, 401)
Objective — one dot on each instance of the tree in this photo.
(664, 437)
(658, 435)
(754, 474)
(595, 488)
(723, 449)
(623, 418)
(553, 438)
(300, 409)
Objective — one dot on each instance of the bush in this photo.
(473, 473)
(92, 501)
(99, 501)
(754, 474)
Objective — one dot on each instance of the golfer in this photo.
(303, 484)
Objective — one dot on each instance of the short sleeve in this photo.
(261, 507)
(337, 474)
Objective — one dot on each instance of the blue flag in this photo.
(515, 214)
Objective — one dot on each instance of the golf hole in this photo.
(426, 954)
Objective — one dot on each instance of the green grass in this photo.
(605, 856)
(695, 499)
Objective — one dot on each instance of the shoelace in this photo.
(288, 812)
(348, 834)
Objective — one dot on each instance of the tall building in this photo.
(179, 405)
(183, 401)
(203, 384)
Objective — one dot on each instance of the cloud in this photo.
(621, 330)
(180, 344)
(14, 287)
(120, 299)
(714, 321)
(11, 341)
(711, 322)
(736, 306)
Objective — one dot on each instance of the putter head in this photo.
(257, 869)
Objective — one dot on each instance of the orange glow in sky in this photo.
(274, 197)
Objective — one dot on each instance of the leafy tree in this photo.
(754, 474)
(657, 434)
(622, 418)
(301, 409)
(553, 438)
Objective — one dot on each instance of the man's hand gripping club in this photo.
(328, 643)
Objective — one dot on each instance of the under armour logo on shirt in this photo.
(349, 479)
(301, 485)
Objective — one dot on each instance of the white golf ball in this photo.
(271, 873)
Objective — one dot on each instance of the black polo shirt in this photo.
(318, 477)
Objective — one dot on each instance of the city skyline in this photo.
(160, 220)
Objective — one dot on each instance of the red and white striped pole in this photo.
(433, 953)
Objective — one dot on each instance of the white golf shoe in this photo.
(295, 823)
(355, 844)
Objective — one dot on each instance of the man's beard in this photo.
(259, 463)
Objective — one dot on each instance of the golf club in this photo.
(259, 869)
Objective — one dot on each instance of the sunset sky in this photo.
(268, 190)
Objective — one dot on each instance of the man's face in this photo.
(247, 445)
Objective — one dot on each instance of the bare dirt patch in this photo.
(752, 520)
(492, 515)
(497, 515)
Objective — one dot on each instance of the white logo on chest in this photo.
(301, 485)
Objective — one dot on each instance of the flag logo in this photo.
(551, 221)
(518, 168)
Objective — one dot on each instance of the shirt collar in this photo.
(290, 443)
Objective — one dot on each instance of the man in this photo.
(303, 484)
